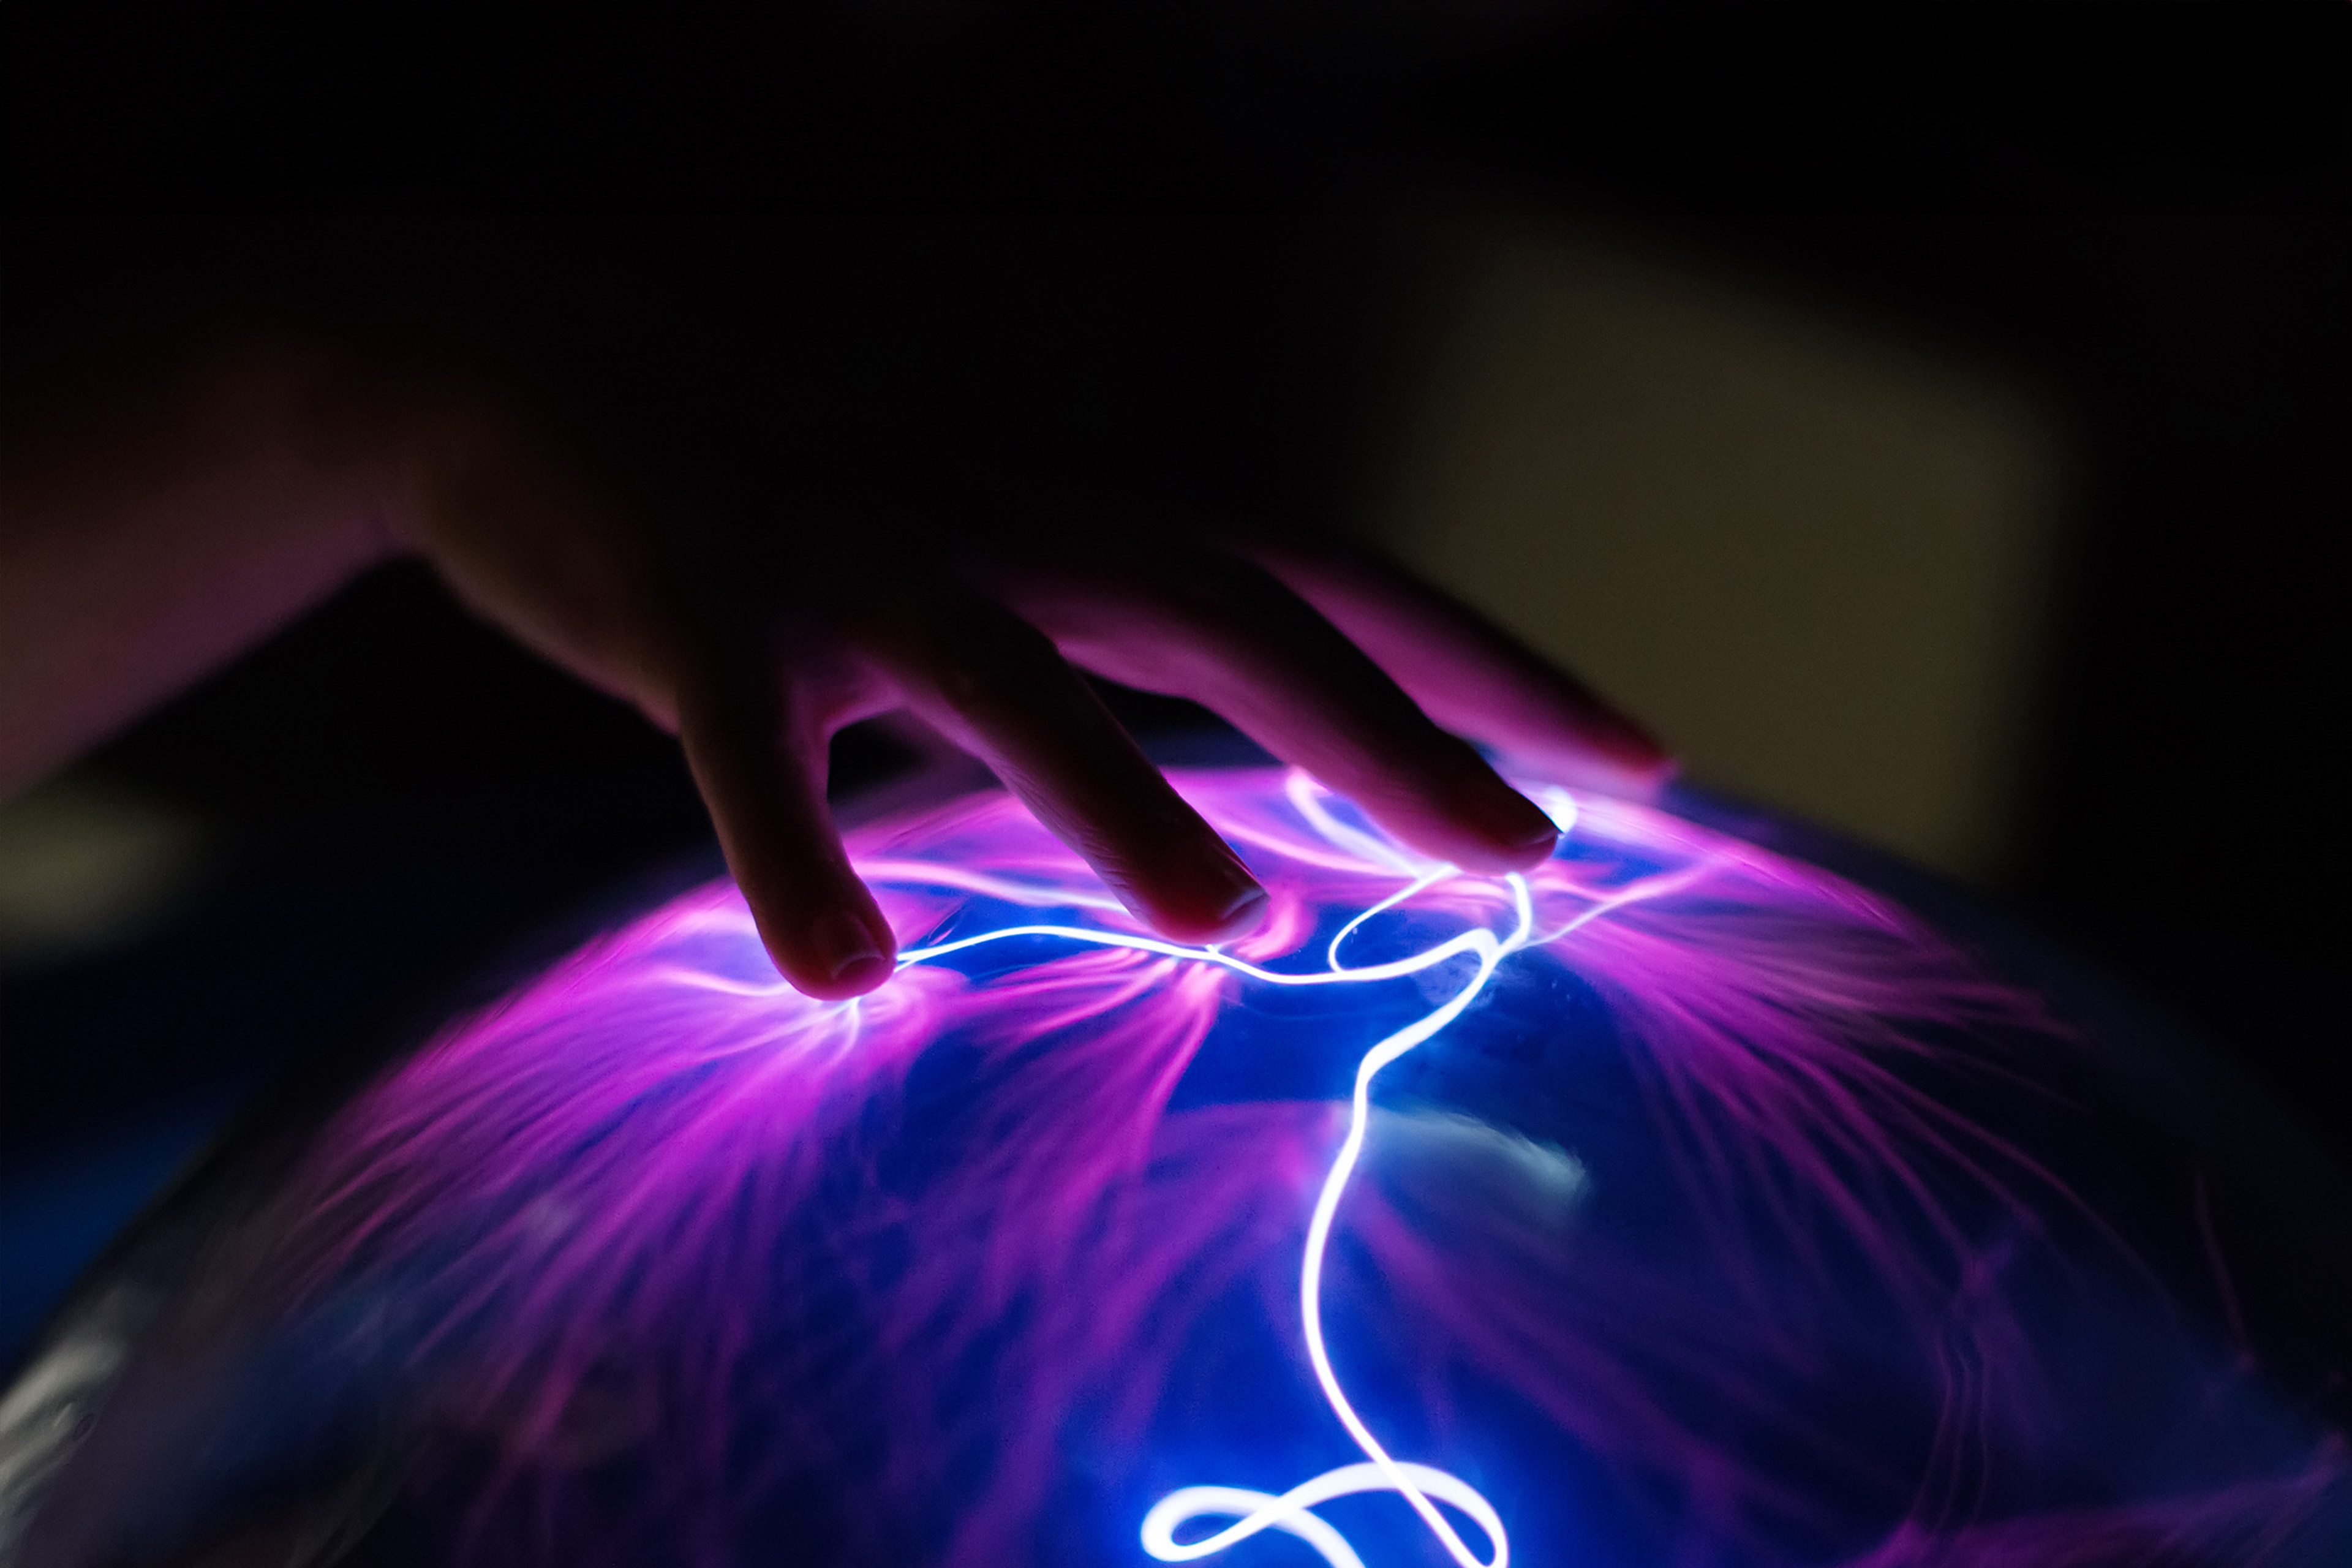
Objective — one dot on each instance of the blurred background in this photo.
(1930, 419)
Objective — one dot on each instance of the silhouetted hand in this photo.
(268, 469)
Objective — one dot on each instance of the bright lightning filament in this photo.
(1288, 1512)
(1421, 1487)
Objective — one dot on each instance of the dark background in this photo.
(958, 218)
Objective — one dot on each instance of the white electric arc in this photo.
(1423, 1487)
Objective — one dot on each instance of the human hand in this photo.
(153, 528)
(1330, 660)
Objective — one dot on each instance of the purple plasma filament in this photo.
(582, 1195)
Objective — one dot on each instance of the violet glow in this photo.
(657, 1204)
(1417, 1484)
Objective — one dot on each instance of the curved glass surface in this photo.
(1682, 1202)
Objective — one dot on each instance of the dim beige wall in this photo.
(1811, 554)
(83, 864)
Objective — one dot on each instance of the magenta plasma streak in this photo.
(1419, 1485)
(633, 1207)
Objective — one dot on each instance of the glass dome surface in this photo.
(1682, 1202)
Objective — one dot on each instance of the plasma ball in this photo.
(1649, 1206)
